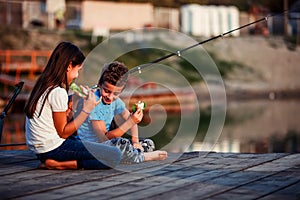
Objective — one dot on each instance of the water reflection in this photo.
(260, 127)
(257, 126)
(13, 131)
(251, 127)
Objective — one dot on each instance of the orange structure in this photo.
(25, 63)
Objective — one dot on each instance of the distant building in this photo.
(166, 18)
(209, 21)
(116, 16)
(99, 16)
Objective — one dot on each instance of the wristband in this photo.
(85, 112)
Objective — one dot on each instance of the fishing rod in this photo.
(179, 52)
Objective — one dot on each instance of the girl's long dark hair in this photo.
(54, 74)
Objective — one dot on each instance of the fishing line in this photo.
(179, 52)
(218, 108)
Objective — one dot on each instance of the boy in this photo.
(97, 128)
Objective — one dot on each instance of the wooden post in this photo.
(286, 21)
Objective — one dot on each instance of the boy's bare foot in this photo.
(53, 164)
(155, 155)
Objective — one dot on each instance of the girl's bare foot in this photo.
(42, 166)
(53, 164)
(155, 155)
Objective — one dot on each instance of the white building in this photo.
(209, 21)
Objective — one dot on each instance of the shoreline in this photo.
(185, 100)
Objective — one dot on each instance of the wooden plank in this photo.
(291, 192)
(51, 182)
(279, 164)
(221, 186)
(263, 187)
(141, 184)
(14, 156)
(80, 187)
(17, 161)
(191, 176)
(184, 186)
(137, 186)
(88, 189)
(282, 175)
(18, 167)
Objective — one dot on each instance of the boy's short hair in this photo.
(114, 73)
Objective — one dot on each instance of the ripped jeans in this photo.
(129, 153)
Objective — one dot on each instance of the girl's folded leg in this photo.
(53, 164)
(74, 154)
(73, 164)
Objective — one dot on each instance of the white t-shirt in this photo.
(41, 135)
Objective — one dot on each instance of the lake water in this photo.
(260, 127)
(256, 126)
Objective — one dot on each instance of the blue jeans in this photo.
(88, 155)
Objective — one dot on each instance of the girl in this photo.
(47, 128)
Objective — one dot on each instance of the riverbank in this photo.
(251, 62)
(267, 62)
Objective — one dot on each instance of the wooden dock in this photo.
(194, 175)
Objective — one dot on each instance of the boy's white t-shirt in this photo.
(41, 135)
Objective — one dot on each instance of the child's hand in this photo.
(137, 116)
(137, 145)
(90, 102)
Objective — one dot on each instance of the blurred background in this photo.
(259, 64)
